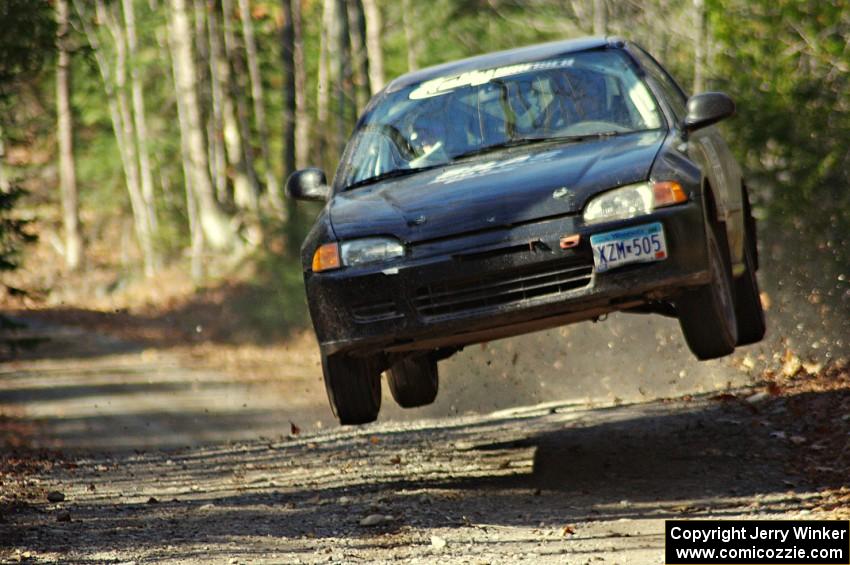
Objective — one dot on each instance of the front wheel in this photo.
(748, 307)
(414, 381)
(707, 314)
(353, 385)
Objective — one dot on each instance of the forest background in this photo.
(146, 143)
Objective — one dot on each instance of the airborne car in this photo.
(517, 191)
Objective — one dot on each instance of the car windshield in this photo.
(435, 122)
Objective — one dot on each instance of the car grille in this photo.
(375, 312)
(501, 289)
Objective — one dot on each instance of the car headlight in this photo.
(633, 200)
(370, 250)
(364, 251)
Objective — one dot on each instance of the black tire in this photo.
(414, 381)
(353, 385)
(707, 313)
(748, 308)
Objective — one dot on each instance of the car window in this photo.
(435, 121)
(671, 90)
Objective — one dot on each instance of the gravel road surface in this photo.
(164, 462)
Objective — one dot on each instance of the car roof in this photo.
(503, 58)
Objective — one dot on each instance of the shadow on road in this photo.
(531, 470)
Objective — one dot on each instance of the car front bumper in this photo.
(497, 283)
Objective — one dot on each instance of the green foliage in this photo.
(13, 230)
(28, 35)
(27, 38)
(788, 65)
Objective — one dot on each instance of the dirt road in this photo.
(165, 462)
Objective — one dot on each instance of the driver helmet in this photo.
(427, 135)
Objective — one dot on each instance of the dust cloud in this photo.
(634, 357)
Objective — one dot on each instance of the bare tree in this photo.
(373, 44)
(244, 179)
(699, 45)
(580, 9)
(600, 17)
(196, 233)
(67, 170)
(204, 88)
(114, 82)
(215, 130)
(342, 56)
(302, 116)
(287, 38)
(217, 230)
(359, 54)
(141, 213)
(407, 18)
(139, 118)
(246, 195)
(272, 186)
(323, 88)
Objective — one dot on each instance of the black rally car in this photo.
(517, 191)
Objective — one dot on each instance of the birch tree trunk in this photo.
(139, 118)
(373, 45)
(323, 83)
(359, 55)
(302, 116)
(600, 17)
(196, 234)
(407, 19)
(287, 37)
(246, 195)
(272, 186)
(217, 230)
(342, 53)
(243, 178)
(218, 166)
(67, 170)
(121, 117)
(699, 46)
(141, 220)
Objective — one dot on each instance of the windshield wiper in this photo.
(519, 141)
(388, 175)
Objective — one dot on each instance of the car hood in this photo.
(520, 185)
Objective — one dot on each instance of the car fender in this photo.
(321, 232)
(723, 183)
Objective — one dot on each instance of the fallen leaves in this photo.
(791, 364)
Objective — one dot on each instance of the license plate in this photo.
(640, 244)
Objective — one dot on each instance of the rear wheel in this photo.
(707, 314)
(353, 385)
(414, 381)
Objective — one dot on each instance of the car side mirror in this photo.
(308, 184)
(706, 109)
